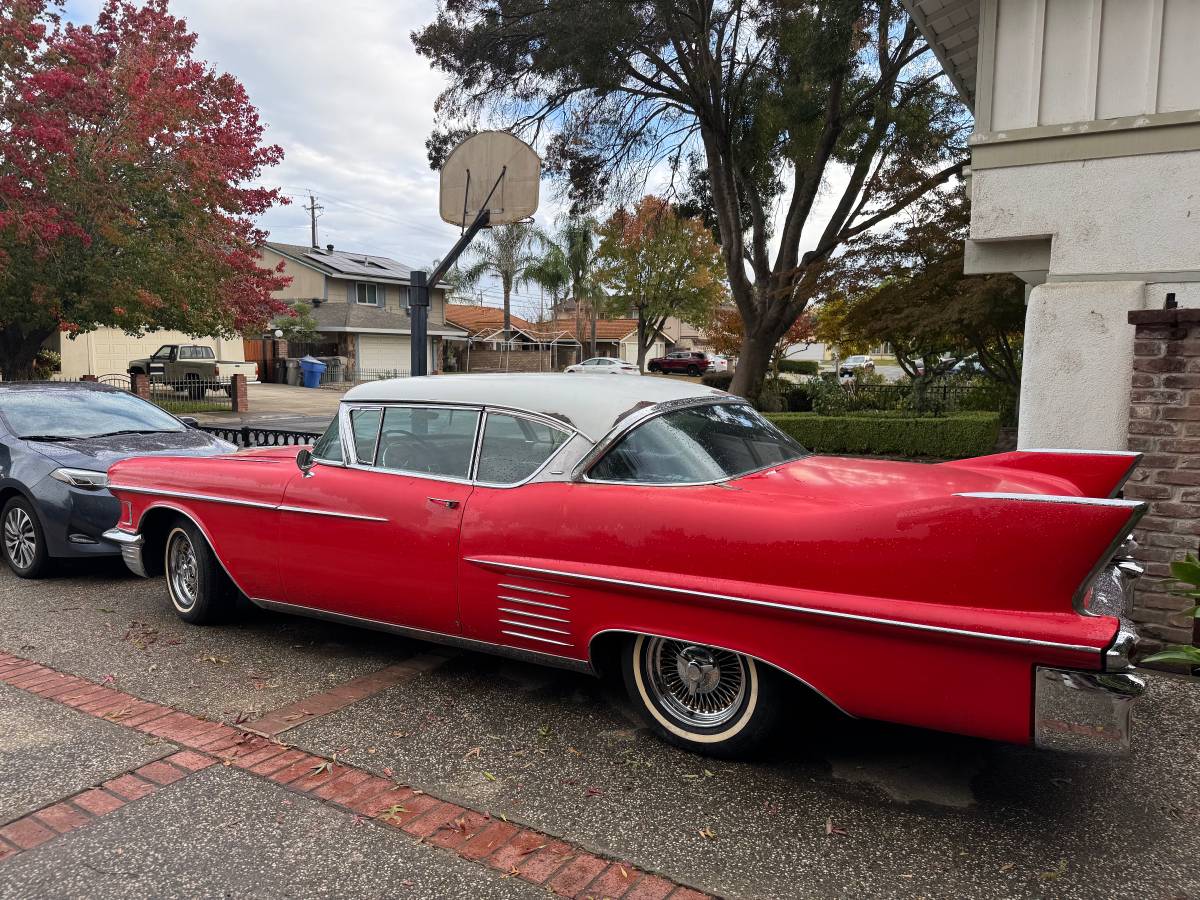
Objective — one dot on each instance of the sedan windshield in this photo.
(68, 414)
(697, 444)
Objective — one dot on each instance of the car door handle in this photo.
(449, 504)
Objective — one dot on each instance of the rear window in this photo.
(81, 413)
(196, 353)
(697, 444)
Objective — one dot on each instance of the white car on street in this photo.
(717, 363)
(603, 365)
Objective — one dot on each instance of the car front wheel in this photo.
(201, 593)
(704, 699)
(24, 543)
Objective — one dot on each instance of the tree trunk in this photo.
(18, 351)
(641, 339)
(753, 363)
(592, 316)
(506, 282)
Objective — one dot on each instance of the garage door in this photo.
(380, 353)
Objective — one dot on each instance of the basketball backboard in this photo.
(490, 159)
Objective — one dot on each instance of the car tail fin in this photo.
(1093, 473)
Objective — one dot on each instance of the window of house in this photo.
(428, 441)
(367, 293)
(514, 448)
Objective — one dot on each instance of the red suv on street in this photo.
(681, 362)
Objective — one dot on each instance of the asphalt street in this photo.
(837, 809)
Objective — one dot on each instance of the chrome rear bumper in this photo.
(131, 549)
(1084, 712)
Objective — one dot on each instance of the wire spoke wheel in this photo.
(20, 538)
(703, 687)
(183, 570)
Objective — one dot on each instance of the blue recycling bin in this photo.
(311, 370)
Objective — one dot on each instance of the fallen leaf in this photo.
(830, 828)
(322, 767)
(489, 776)
(474, 751)
(1008, 867)
(708, 834)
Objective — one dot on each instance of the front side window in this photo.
(697, 444)
(163, 352)
(428, 441)
(514, 448)
(367, 293)
(328, 447)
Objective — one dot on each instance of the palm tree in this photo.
(507, 252)
(551, 272)
(581, 245)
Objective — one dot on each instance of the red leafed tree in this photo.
(128, 173)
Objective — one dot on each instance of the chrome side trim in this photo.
(1076, 450)
(803, 610)
(435, 637)
(188, 495)
(230, 501)
(521, 612)
(544, 628)
(1052, 498)
(532, 602)
(325, 512)
(517, 587)
(534, 637)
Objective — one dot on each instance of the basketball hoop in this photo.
(492, 171)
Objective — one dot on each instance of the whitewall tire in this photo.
(200, 591)
(705, 699)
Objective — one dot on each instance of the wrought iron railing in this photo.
(249, 436)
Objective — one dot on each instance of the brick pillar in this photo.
(240, 394)
(1164, 424)
(88, 378)
(140, 385)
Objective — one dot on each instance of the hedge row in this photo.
(948, 437)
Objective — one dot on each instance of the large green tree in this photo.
(127, 173)
(905, 286)
(785, 101)
(661, 265)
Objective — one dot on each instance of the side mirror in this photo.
(190, 421)
(304, 461)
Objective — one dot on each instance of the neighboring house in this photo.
(529, 347)
(1085, 182)
(360, 304)
(682, 335)
(615, 338)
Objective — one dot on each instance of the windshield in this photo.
(697, 444)
(77, 414)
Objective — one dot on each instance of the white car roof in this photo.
(590, 404)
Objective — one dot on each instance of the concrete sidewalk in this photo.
(282, 406)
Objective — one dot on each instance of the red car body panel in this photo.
(901, 592)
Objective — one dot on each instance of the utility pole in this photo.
(313, 208)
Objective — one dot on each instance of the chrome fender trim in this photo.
(785, 607)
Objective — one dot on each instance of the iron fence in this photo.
(342, 377)
(936, 398)
(193, 395)
(248, 436)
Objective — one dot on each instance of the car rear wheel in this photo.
(201, 593)
(655, 367)
(24, 543)
(704, 699)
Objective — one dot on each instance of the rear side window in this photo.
(697, 444)
(514, 448)
(428, 441)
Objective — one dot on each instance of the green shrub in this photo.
(718, 380)
(799, 366)
(893, 433)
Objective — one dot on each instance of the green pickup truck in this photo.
(192, 367)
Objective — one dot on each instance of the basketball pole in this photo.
(420, 283)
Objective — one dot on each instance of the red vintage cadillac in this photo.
(670, 532)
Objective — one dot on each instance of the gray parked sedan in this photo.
(57, 441)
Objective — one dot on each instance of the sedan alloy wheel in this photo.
(24, 545)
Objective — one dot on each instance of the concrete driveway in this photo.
(498, 779)
(282, 406)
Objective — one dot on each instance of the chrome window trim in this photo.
(785, 607)
(640, 417)
(348, 408)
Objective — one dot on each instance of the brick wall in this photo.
(519, 361)
(1164, 424)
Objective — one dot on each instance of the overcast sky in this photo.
(341, 89)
